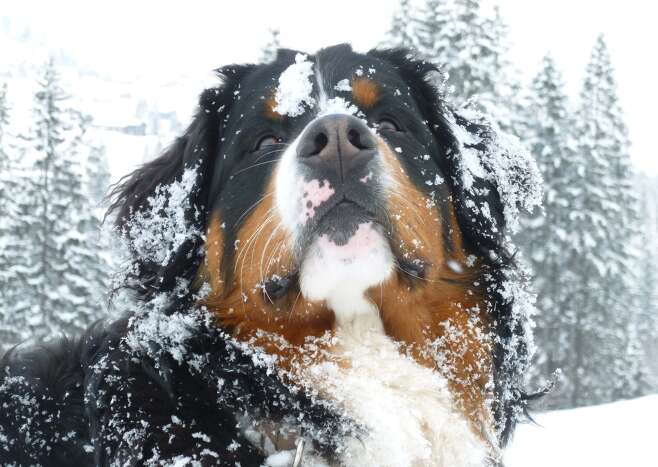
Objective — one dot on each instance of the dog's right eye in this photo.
(265, 141)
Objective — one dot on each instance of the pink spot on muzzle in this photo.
(315, 193)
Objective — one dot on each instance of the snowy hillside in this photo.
(612, 435)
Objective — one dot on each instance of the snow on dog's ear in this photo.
(494, 176)
(161, 208)
(490, 173)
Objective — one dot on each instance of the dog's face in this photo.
(328, 187)
(331, 186)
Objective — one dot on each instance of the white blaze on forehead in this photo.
(295, 88)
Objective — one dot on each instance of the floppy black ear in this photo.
(161, 208)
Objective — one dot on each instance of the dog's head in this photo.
(322, 184)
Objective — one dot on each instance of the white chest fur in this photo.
(407, 409)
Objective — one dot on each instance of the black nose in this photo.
(339, 142)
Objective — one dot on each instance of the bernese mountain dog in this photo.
(335, 288)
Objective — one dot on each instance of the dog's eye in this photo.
(266, 141)
(386, 124)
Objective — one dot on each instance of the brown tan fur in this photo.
(269, 109)
(241, 305)
(365, 92)
(417, 314)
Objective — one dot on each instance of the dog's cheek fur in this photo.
(445, 312)
(238, 300)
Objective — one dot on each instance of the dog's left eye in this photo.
(386, 124)
(265, 141)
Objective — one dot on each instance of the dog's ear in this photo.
(161, 208)
(490, 174)
(495, 179)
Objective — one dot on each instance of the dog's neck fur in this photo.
(410, 416)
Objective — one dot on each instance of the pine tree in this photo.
(268, 54)
(55, 255)
(7, 216)
(15, 211)
(97, 175)
(607, 356)
(98, 240)
(472, 48)
(402, 32)
(546, 240)
(647, 286)
(431, 26)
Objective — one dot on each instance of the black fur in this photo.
(91, 400)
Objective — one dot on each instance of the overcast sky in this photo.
(125, 38)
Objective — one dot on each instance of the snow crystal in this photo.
(295, 88)
(338, 105)
(343, 85)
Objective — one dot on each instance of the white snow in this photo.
(156, 233)
(343, 85)
(295, 87)
(504, 161)
(338, 105)
(612, 435)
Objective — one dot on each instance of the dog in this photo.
(320, 260)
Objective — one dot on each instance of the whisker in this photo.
(253, 166)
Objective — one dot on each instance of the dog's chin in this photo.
(348, 255)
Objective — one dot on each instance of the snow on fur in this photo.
(487, 155)
(156, 233)
(295, 88)
(500, 158)
(407, 409)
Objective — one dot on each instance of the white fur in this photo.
(327, 273)
(407, 409)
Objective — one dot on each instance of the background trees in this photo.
(53, 263)
(593, 249)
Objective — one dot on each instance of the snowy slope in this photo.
(614, 435)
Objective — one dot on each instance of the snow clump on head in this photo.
(295, 88)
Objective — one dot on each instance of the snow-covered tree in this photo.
(607, 358)
(403, 27)
(268, 53)
(7, 216)
(431, 27)
(97, 175)
(54, 254)
(546, 240)
(647, 269)
(472, 47)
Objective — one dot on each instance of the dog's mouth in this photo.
(341, 221)
(346, 229)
